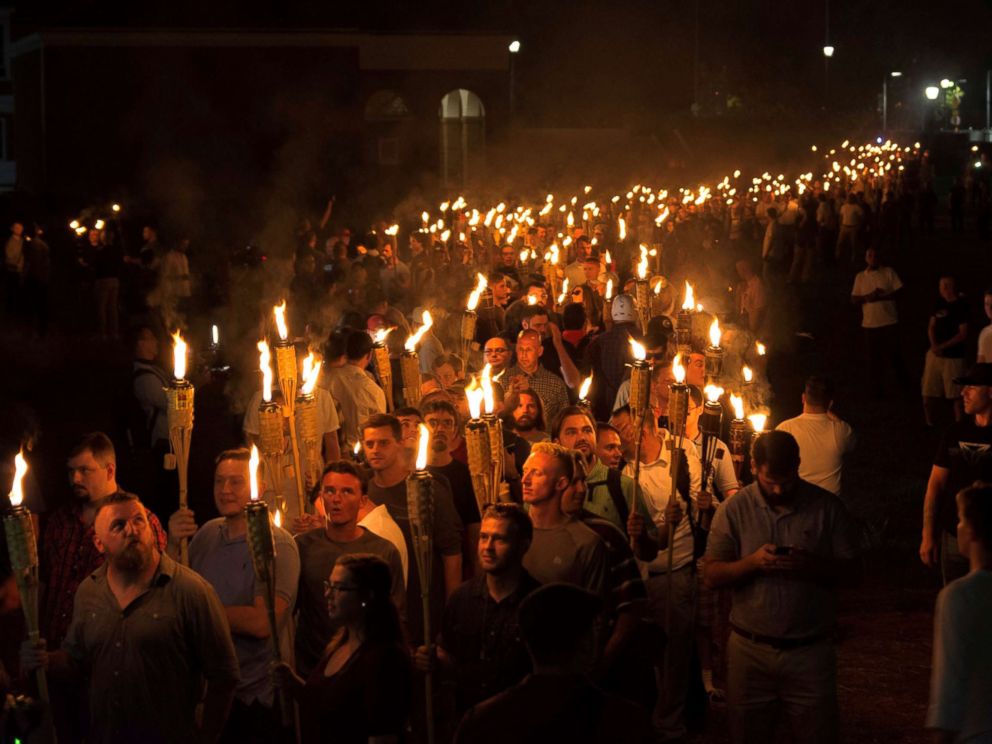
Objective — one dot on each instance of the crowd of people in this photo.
(637, 571)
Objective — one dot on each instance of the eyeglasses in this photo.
(329, 588)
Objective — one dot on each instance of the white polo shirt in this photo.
(823, 442)
(882, 313)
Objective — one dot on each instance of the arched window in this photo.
(463, 135)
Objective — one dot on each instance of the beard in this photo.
(439, 444)
(525, 423)
(133, 558)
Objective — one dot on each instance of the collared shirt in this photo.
(550, 387)
(724, 476)
(146, 664)
(656, 486)
(67, 556)
(778, 605)
(227, 565)
(600, 503)
(882, 312)
(483, 637)
(823, 442)
(357, 395)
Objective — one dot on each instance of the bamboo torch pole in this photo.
(270, 437)
(288, 377)
(180, 394)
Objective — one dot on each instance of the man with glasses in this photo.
(657, 355)
(219, 552)
(497, 353)
(343, 490)
(480, 646)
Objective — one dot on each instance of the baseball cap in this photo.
(980, 375)
(623, 310)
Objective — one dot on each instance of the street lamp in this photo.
(885, 99)
(828, 51)
(514, 47)
(932, 91)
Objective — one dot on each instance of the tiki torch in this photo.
(683, 323)
(497, 450)
(584, 393)
(307, 420)
(410, 362)
(550, 269)
(470, 318)
(420, 508)
(714, 355)
(739, 435)
(709, 425)
(758, 421)
(480, 461)
(383, 368)
(640, 399)
(642, 291)
(262, 546)
(180, 418)
(287, 371)
(270, 418)
(22, 547)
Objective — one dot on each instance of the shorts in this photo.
(939, 374)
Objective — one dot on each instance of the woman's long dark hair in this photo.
(374, 580)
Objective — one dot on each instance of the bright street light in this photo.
(945, 83)
(932, 92)
(828, 51)
(895, 73)
(514, 46)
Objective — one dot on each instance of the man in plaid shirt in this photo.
(528, 373)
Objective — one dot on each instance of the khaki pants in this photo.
(673, 681)
(799, 685)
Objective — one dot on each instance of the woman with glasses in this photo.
(360, 690)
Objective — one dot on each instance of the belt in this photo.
(782, 644)
(655, 574)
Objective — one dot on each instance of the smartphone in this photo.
(782, 550)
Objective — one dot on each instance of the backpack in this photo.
(613, 485)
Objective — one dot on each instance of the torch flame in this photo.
(379, 337)
(584, 388)
(425, 438)
(357, 448)
(523, 255)
(280, 313)
(609, 259)
(264, 364)
(487, 388)
(412, 341)
(475, 394)
(640, 353)
(531, 300)
(690, 300)
(277, 518)
(623, 228)
(715, 333)
(737, 403)
(713, 393)
(253, 473)
(179, 356)
(16, 495)
(609, 288)
(215, 334)
(758, 421)
(748, 374)
(678, 370)
(760, 347)
(311, 373)
(657, 288)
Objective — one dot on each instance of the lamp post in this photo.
(885, 100)
(514, 48)
(828, 52)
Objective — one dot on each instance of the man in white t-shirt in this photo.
(985, 337)
(875, 290)
(851, 217)
(823, 438)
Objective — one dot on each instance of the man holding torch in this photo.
(219, 552)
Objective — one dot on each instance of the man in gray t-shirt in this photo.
(782, 545)
(343, 490)
(219, 552)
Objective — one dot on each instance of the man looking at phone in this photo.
(782, 544)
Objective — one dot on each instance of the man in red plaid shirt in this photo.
(67, 551)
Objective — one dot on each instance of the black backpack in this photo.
(138, 429)
(612, 484)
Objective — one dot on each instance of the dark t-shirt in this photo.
(462, 491)
(949, 316)
(965, 450)
(447, 541)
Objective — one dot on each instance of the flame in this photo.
(215, 334)
(425, 438)
(678, 370)
(609, 288)
(475, 394)
(179, 356)
(253, 473)
(623, 228)
(357, 448)
(392, 231)
(379, 337)
(480, 287)
(311, 373)
(748, 374)
(657, 288)
(531, 300)
(16, 495)
(74, 224)
(690, 300)
(265, 364)
(715, 333)
(609, 259)
(758, 421)
(425, 217)
(523, 255)
(640, 353)
(713, 393)
(280, 313)
(737, 403)
(760, 347)
(487, 388)
(642, 265)
(584, 388)
(412, 341)
(277, 518)
(99, 224)
(116, 207)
